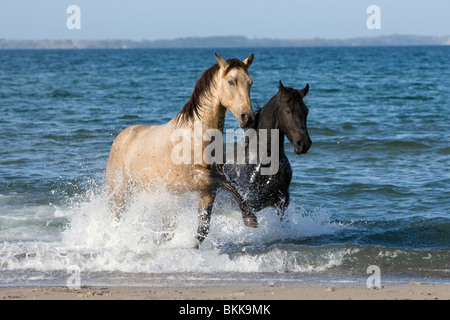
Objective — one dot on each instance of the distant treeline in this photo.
(226, 42)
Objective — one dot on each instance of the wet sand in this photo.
(412, 291)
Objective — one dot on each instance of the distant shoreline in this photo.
(225, 42)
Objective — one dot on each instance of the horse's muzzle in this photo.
(301, 147)
(245, 121)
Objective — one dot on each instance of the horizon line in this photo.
(225, 42)
(229, 36)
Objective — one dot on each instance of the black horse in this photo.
(254, 190)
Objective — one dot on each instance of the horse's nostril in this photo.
(299, 143)
(244, 117)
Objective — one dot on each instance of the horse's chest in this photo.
(268, 188)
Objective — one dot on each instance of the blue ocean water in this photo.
(374, 189)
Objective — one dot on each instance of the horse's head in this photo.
(292, 114)
(234, 86)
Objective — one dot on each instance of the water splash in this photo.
(96, 242)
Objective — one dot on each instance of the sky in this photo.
(170, 19)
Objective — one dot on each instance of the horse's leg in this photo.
(116, 201)
(248, 216)
(169, 223)
(206, 201)
(223, 181)
(281, 206)
(118, 190)
(247, 211)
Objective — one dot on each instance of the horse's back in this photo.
(126, 136)
(124, 141)
(134, 148)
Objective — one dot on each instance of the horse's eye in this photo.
(288, 111)
(231, 82)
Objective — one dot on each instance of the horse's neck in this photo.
(212, 115)
(268, 120)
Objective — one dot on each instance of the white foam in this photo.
(95, 241)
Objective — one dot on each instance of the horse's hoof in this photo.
(251, 222)
(198, 241)
(166, 237)
(197, 244)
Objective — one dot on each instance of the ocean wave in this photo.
(94, 242)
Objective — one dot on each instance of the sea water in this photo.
(374, 189)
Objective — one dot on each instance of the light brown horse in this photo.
(141, 156)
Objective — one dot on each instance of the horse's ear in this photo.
(249, 60)
(280, 86)
(304, 91)
(221, 61)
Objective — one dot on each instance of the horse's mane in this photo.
(192, 108)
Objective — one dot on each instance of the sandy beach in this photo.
(411, 291)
